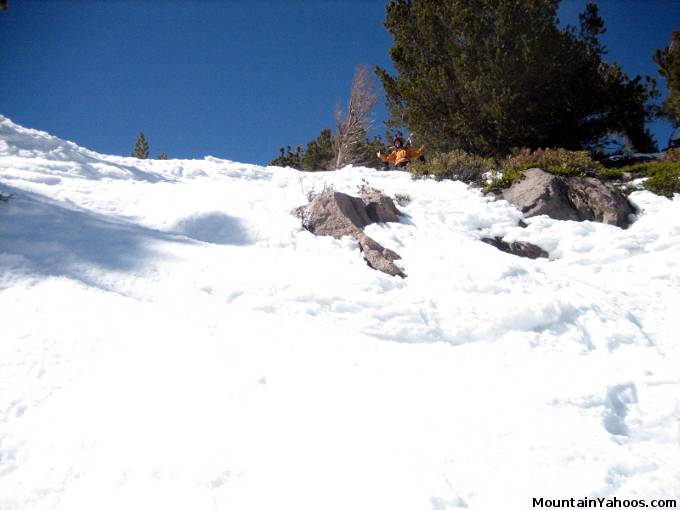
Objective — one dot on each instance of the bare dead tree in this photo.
(353, 126)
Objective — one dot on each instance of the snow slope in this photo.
(172, 338)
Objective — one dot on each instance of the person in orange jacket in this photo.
(402, 154)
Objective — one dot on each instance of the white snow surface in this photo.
(171, 337)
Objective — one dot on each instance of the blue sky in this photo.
(232, 79)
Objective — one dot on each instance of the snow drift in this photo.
(173, 338)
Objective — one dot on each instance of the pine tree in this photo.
(488, 76)
(163, 155)
(366, 151)
(668, 62)
(320, 153)
(141, 147)
(288, 158)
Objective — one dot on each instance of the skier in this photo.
(402, 153)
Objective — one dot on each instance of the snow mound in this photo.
(174, 338)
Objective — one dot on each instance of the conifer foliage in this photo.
(668, 61)
(488, 76)
(141, 150)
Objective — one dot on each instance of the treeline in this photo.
(321, 153)
(349, 143)
(487, 77)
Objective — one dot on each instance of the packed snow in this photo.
(171, 337)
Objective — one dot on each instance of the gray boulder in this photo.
(596, 201)
(380, 208)
(335, 214)
(541, 193)
(378, 257)
(519, 248)
(338, 214)
(569, 198)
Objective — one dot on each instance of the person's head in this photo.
(398, 142)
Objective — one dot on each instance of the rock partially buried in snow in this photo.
(569, 198)
(541, 193)
(338, 214)
(519, 248)
(380, 208)
(335, 214)
(378, 257)
(598, 201)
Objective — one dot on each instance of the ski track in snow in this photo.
(172, 338)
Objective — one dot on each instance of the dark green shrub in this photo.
(504, 180)
(456, 165)
(664, 183)
(554, 161)
(628, 172)
(664, 178)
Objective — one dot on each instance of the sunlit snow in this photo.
(172, 338)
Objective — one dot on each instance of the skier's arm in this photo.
(387, 159)
(416, 153)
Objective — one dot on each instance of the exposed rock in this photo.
(337, 214)
(569, 198)
(597, 201)
(378, 257)
(299, 212)
(380, 208)
(519, 248)
(541, 193)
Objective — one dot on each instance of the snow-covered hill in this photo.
(172, 338)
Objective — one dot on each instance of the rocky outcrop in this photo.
(597, 201)
(519, 248)
(335, 214)
(380, 208)
(338, 214)
(569, 198)
(379, 257)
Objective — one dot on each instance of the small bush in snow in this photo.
(402, 199)
(504, 179)
(312, 193)
(457, 165)
(366, 189)
(663, 177)
(554, 161)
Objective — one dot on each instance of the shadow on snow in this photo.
(57, 239)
